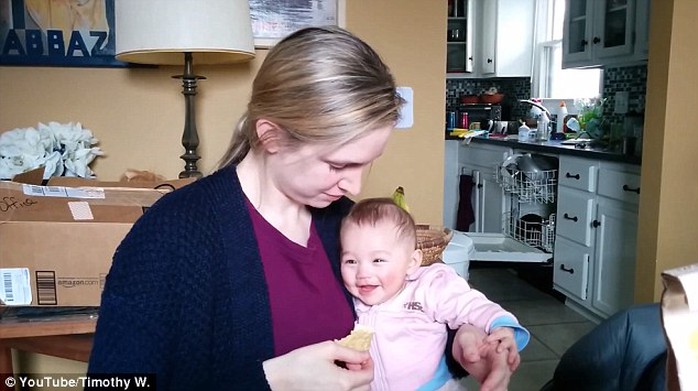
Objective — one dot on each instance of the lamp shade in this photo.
(159, 31)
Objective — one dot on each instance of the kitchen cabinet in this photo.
(460, 36)
(451, 181)
(604, 32)
(487, 56)
(594, 257)
(498, 234)
(642, 30)
(487, 198)
(614, 261)
(499, 39)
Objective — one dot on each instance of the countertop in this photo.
(556, 147)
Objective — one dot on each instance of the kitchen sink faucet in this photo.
(544, 123)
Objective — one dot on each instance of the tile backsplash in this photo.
(629, 78)
(632, 79)
(515, 88)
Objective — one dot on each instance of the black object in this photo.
(481, 112)
(465, 215)
(529, 227)
(625, 352)
(190, 137)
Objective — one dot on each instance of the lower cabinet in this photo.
(614, 276)
(571, 274)
(595, 243)
(479, 161)
(596, 221)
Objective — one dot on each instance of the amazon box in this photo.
(57, 241)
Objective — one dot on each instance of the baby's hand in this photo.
(504, 338)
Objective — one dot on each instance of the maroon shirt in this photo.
(307, 301)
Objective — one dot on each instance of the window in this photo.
(549, 79)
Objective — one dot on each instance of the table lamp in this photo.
(166, 32)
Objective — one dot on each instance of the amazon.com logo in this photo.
(73, 282)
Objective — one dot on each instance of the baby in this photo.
(408, 306)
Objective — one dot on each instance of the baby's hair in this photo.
(374, 210)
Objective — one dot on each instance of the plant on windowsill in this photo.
(590, 117)
(63, 149)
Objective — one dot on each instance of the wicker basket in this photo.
(432, 240)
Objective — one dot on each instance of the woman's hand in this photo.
(503, 339)
(494, 369)
(313, 368)
(481, 359)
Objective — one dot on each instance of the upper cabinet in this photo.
(642, 29)
(604, 32)
(498, 40)
(460, 36)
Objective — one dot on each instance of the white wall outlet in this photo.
(621, 106)
(406, 119)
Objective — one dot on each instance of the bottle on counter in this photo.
(451, 119)
(464, 122)
(543, 128)
(524, 133)
(561, 117)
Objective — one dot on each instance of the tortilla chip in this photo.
(358, 339)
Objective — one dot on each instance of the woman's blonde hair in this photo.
(319, 84)
(371, 211)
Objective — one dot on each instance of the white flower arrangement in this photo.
(63, 149)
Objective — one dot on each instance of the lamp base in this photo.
(190, 137)
(190, 169)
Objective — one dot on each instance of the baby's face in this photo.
(375, 261)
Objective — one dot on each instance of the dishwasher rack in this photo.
(534, 192)
(529, 187)
(535, 234)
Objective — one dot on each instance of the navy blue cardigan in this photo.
(186, 296)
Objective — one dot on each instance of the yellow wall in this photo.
(668, 228)
(138, 114)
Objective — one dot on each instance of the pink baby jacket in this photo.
(410, 329)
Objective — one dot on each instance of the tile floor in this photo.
(553, 326)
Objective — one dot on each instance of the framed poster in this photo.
(76, 33)
(274, 19)
(81, 33)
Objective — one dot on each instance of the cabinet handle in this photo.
(564, 269)
(584, 42)
(596, 40)
(480, 185)
(470, 58)
(595, 223)
(628, 188)
(575, 176)
(489, 61)
(570, 218)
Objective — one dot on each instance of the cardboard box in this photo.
(57, 241)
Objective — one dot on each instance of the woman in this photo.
(233, 281)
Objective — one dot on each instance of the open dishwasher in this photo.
(529, 186)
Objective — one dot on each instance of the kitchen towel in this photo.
(465, 216)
